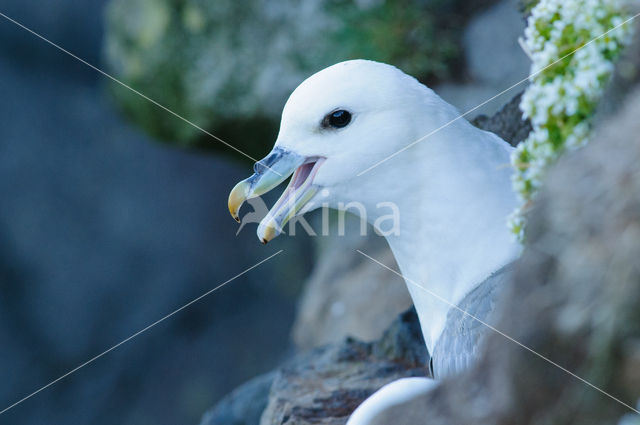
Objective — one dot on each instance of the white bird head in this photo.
(336, 124)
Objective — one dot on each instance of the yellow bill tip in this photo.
(237, 197)
(267, 232)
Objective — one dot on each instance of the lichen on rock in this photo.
(229, 66)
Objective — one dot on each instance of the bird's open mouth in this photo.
(294, 198)
(270, 172)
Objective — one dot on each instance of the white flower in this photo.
(566, 82)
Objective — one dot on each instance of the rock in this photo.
(493, 55)
(229, 67)
(626, 74)
(244, 405)
(507, 122)
(62, 24)
(345, 295)
(403, 342)
(494, 61)
(325, 385)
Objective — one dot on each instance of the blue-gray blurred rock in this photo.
(493, 58)
(102, 232)
(244, 406)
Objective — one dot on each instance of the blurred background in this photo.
(113, 212)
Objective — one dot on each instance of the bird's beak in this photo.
(270, 172)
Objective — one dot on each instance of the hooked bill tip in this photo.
(237, 197)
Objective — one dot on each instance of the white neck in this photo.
(453, 192)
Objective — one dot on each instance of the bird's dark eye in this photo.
(337, 119)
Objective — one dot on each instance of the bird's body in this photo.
(451, 189)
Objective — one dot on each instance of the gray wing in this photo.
(460, 343)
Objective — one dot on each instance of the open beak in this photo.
(270, 172)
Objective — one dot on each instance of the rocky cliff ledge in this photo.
(325, 385)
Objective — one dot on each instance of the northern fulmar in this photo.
(363, 131)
